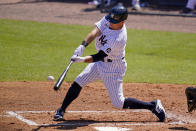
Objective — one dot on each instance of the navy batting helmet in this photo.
(117, 14)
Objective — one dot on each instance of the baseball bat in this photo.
(62, 77)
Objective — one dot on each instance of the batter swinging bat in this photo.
(62, 77)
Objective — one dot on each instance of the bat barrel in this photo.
(62, 77)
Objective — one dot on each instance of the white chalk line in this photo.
(5, 116)
(19, 117)
(180, 120)
(112, 129)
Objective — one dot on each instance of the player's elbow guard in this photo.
(99, 56)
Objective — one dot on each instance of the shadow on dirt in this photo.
(74, 124)
(179, 128)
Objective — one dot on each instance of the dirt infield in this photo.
(31, 105)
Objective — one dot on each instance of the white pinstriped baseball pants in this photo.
(191, 4)
(111, 73)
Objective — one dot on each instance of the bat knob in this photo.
(55, 88)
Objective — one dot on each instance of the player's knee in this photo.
(80, 81)
(74, 90)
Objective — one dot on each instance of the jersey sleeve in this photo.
(102, 24)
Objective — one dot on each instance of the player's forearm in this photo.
(92, 58)
(91, 36)
(96, 57)
(88, 59)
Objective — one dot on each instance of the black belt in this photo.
(109, 60)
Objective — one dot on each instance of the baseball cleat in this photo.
(59, 115)
(159, 110)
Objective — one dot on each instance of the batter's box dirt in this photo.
(97, 118)
(35, 102)
(42, 118)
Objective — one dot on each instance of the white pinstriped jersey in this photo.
(113, 43)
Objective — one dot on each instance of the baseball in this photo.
(50, 78)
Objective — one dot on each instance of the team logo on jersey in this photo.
(108, 50)
(103, 40)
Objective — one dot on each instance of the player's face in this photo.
(117, 26)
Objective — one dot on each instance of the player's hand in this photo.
(79, 50)
(77, 59)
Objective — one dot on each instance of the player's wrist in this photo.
(81, 59)
(77, 59)
(84, 43)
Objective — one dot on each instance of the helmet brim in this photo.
(111, 20)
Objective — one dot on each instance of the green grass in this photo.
(30, 51)
(161, 57)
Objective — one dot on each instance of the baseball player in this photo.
(190, 6)
(136, 5)
(191, 98)
(108, 65)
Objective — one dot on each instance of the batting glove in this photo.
(77, 59)
(79, 50)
